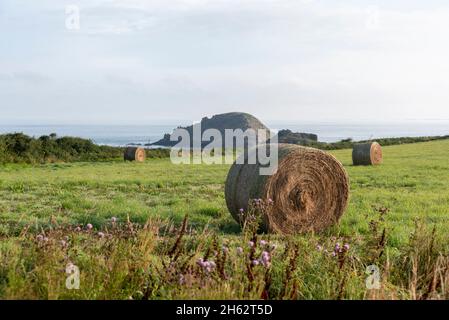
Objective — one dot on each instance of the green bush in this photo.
(20, 148)
(349, 143)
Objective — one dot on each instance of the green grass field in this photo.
(413, 183)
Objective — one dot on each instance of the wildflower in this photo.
(89, 226)
(77, 229)
(207, 266)
(333, 254)
(251, 244)
(263, 242)
(270, 201)
(200, 262)
(63, 243)
(255, 262)
(100, 234)
(346, 246)
(113, 219)
(265, 257)
(319, 248)
(239, 250)
(225, 249)
(40, 237)
(337, 247)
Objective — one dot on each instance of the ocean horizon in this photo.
(122, 135)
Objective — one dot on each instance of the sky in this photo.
(159, 61)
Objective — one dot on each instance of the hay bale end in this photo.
(310, 190)
(366, 154)
(134, 154)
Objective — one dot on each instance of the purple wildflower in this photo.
(251, 244)
(255, 262)
(89, 226)
(265, 259)
(239, 250)
(263, 242)
(346, 247)
(100, 234)
(200, 262)
(207, 266)
(337, 247)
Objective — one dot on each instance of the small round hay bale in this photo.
(134, 154)
(366, 154)
(310, 190)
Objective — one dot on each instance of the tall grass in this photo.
(159, 260)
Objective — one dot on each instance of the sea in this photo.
(122, 135)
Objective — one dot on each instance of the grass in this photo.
(51, 199)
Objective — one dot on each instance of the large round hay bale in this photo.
(310, 190)
(134, 154)
(365, 154)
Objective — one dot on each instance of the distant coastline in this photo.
(119, 136)
(21, 148)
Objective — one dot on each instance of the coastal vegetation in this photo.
(21, 148)
(124, 226)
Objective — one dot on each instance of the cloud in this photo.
(27, 77)
(277, 59)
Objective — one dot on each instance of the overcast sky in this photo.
(297, 60)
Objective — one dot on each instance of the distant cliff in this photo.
(220, 122)
(287, 136)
